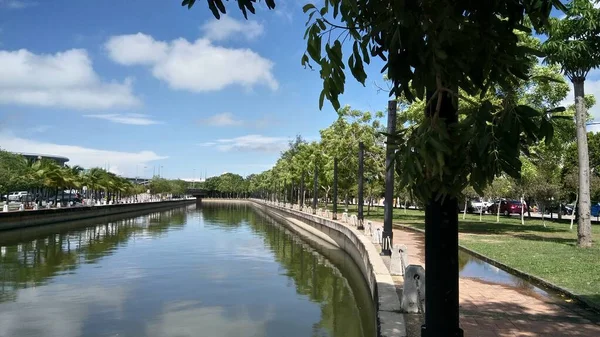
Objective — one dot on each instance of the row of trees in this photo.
(45, 178)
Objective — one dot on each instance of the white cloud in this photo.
(39, 128)
(120, 162)
(222, 119)
(186, 318)
(65, 79)
(229, 119)
(131, 119)
(17, 4)
(227, 27)
(248, 143)
(198, 66)
(50, 311)
(136, 49)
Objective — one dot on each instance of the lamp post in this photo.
(361, 170)
(194, 179)
(388, 235)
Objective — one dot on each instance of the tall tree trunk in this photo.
(498, 215)
(575, 210)
(584, 224)
(523, 210)
(441, 246)
(465, 210)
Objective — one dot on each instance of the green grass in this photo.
(547, 252)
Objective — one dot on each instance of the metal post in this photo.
(361, 170)
(386, 248)
(315, 190)
(301, 196)
(335, 191)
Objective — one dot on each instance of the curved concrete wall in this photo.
(23, 219)
(365, 255)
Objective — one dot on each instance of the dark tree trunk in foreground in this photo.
(441, 250)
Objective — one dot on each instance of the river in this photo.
(211, 270)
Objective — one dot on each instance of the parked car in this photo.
(595, 209)
(74, 198)
(17, 196)
(470, 208)
(564, 209)
(507, 207)
(479, 205)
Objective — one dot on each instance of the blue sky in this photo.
(147, 83)
(142, 84)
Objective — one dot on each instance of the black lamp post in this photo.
(361, 170)
(388, 235)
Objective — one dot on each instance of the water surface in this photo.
(210, 271)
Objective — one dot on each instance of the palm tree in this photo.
(49, 173)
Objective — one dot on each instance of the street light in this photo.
(194, 179)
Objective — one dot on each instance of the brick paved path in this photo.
(488, 309)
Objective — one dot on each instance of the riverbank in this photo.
(29, 218)
(364, 254)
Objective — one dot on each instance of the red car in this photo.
(507, 207)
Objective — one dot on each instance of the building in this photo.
(37, 156)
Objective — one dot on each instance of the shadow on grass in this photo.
(484, 227)
(533, 237)
(503, 228)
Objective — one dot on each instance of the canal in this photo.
(212, 270)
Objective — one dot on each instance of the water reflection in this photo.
(215, 271)
(472, 267)
(31, 257)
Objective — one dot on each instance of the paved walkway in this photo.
(488, 309)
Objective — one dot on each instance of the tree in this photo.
(435, 48)
(574, 43)
(14, 172)
(498, 189)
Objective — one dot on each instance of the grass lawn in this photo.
(547, 252)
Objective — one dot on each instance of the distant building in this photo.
(37, 156)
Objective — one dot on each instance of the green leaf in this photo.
(308, 7)
(220, 5)
(321, 99)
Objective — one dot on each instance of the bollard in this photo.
(375, 235)
(21, 207)
(369, 228)
(5, 208)
(413, 292)
(399, 260)
(36, 206)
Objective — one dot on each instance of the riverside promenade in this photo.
(496, 309)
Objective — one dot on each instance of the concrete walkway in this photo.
(488, 309)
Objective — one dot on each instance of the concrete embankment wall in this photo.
(23, 219)
(364, 254)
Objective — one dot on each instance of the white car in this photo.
(480, 206)
(17, 196)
